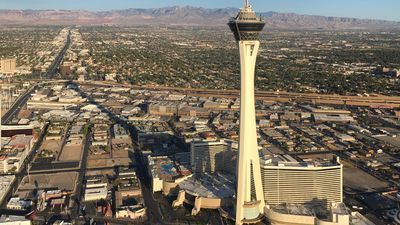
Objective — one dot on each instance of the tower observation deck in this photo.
(246, 26)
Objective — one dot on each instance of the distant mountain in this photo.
(183, 16)
(297, 21)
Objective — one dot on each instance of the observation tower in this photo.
(246, 27)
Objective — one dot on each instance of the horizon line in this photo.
(198, 7)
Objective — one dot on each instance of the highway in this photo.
(327, 99)
(56, 63)
(334, 99)
(17, 105)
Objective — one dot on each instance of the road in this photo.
(56, 63)
(152, 205)
(79, 191)
(21, 101)
(17, 105)
(15, 109)
(64, 139)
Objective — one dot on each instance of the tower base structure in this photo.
(250, 197)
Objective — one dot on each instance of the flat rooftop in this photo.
(310, 210)
(294, 209)
(10, 219)
(289, 161)
(210, 186)
(5, 182)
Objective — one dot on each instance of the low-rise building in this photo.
(302, 215)
(15, 151)
(131, 212)
(19, 204)
(120, 132)
(14, 220)
(207, 191)
(5, 184)
(96, 188)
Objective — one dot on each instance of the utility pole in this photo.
(9, 96)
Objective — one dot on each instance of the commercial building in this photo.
(157, 182)
(213, 156)
(66, 69)
(14, 151)
(207, 191)
(216, 105)
(6, 183)
(166, 174)
(119, 132)
(60, 115)
(52, 198)
(14, 220)
(128, 196)
(131, 212)
(163, 108)
(18, 204)
(128, 187)
(336, 118)
(96, 188)
(41, 105)
(8, 66)
(42, 95)
(289, 181)
(13, 130)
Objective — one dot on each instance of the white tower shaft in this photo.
(248, 162)
(1, 115)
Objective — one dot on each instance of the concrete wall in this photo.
(170, 188)
(200, 202)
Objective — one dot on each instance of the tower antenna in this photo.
(246, 3)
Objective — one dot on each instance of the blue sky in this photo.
(374, 9)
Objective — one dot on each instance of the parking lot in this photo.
(356, 178)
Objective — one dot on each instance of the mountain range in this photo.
(187, 15)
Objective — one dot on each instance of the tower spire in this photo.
(246, 3)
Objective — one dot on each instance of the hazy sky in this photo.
(380, 9)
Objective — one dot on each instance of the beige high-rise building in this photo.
(8, 65)
(213, 156)
(288, 181)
